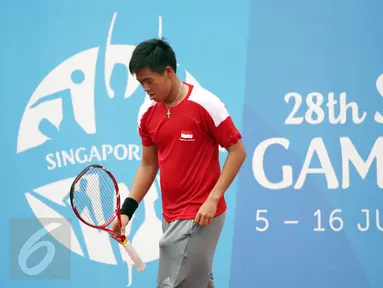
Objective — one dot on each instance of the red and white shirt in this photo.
(188, 153)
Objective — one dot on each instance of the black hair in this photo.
(155, 54)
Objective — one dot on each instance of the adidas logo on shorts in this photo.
(167, 281)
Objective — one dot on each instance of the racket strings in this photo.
(95, 197)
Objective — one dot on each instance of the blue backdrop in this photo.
(302, 57)
(303, 82)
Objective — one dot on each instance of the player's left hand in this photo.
(206, 212)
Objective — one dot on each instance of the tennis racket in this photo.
(95, 200)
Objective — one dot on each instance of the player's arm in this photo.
(222, 128)
(148, 168)
(142, 181)
(145, 174)
(220, 125)
(236, 157)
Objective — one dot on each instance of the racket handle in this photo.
(133, 255)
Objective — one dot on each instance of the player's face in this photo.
(156, 85)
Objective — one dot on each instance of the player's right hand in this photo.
(116, 227)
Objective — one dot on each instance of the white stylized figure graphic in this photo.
(64, 101)
(64, 85)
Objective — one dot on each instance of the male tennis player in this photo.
(181, 126)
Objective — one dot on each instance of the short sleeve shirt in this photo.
(188, 148)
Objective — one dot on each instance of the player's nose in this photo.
(146, 87)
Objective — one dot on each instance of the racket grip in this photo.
(133, 255)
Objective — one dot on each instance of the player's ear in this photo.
(169, 72)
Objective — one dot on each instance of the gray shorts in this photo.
(186, 253)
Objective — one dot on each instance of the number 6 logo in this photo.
(32, 245)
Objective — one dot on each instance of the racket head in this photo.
(95, 198)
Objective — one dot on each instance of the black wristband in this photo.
(129, 207)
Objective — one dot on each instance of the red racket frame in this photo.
(118, 237)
